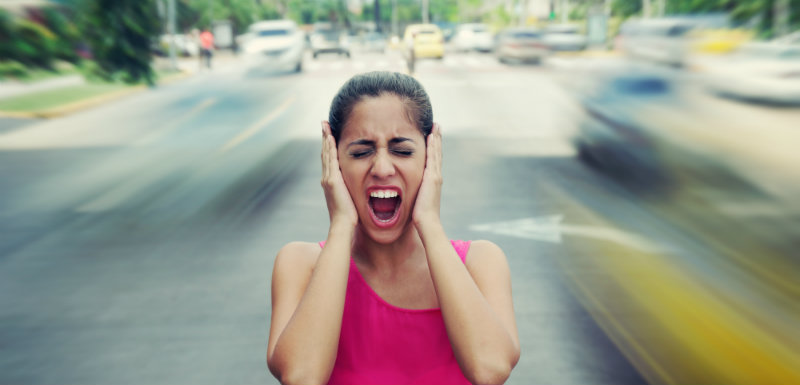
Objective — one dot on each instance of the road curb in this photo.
(85, 104)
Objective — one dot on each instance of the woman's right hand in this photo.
(341, 209)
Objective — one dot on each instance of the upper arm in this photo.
(290, 276)
(489, 269)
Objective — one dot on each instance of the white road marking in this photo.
(255, 128)
(550, 229)
(158, 134)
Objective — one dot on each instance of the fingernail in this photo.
(322, 124)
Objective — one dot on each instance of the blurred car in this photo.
(790, 39)
(760, 72)
(650, 129)
(661, 40)
(374, 42)
(521, 44)
(329, 39)
(616, 134)
(473, 37)
(276, 44)
(564, 37)
(424, 40)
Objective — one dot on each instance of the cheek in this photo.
(352, 174)
(414, 173)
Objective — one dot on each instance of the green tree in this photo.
(7, 35)
(66, 33)
(120, 33)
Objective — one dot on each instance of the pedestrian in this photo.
(387, 298)
(207, 44)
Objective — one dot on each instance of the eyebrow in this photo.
(365, 142)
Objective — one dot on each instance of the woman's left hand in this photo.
(426, 207)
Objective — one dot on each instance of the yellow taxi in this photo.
(426, 41)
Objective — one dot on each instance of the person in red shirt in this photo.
(207, 46)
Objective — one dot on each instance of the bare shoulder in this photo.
(486, 258)
(297, 258)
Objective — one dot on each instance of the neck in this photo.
(388, 257)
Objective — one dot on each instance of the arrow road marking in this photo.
(551, 229)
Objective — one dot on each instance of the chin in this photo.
(385, 236)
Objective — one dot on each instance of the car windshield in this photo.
(526, 35)
(273, 32)
(330, 35)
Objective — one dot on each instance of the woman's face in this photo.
(382, 158)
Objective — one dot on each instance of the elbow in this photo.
(491, 371)
(488, 374)
(299, 376)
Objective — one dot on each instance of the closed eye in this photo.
(360, 153)
(403, 152)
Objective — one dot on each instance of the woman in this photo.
(387, 298)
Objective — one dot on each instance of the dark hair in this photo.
(375, 84)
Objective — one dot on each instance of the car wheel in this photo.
(299, 67)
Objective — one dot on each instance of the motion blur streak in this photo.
(647, 196)
(679, 328)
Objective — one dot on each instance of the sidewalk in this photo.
(10, 89)
(66, 85)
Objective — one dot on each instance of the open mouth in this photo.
(384, 205)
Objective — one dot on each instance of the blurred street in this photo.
(138, 237)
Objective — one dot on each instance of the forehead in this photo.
(379, 117)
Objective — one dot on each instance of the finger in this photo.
(439, 144)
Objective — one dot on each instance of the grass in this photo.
(44, 101)
(33, 75)
(50, 99)
(37, 75)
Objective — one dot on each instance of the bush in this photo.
(7, 34)
(13, 69)
(67, 36)
(93, 73)
(34, 45)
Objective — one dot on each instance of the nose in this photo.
(382, 166)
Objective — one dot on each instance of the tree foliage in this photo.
(120, 33)
(758, 13)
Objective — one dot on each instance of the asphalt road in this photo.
(138, 237)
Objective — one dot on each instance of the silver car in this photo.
(523, 44)
(274, 44)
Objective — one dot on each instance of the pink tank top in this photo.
(384, 344)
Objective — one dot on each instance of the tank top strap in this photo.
(462, 247)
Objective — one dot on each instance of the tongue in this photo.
(384, 207)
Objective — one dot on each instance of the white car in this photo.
(473, 36)
(760, 72)
(564, 37)
(660, 40)
(274, 44)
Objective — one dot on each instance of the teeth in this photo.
(383, 194)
